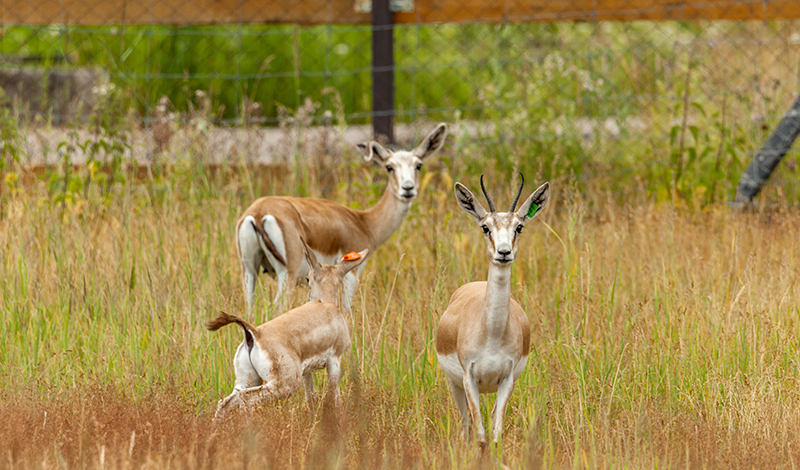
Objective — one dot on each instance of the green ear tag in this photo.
(532, 210)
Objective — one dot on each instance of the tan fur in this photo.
(225, 319)
(306, 331)
(285, 351)
(326, 226)
(460, 328)
(330, 228)
(267, 242)
(483, 337)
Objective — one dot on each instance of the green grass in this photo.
(664, 326)
(475, 71)
(663, 336)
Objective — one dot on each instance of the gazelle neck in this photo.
(497, 300)
(385, 217)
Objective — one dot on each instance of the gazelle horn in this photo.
(488, 199)
(514, 204)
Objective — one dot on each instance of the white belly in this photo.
(452, 368)
(488, 371)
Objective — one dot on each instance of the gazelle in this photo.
(330, 229)
(274, 356)
(483, 337)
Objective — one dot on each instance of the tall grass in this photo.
(663, 335)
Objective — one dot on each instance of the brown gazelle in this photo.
(483, 337)
(329, 228)
(275, 358)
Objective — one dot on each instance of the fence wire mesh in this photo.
(612, 95)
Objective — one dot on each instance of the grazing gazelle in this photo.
(282, 353)
(330, 229)
(483, 337)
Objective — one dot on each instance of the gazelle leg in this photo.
(311, 395)
(223, 406)
(350, 284)
(247, 397)
(498, 413)
(460, 398)
(249, 282)
(474, 402)
(282, 272)
(280, 298)
(250, 255)
(334, 374)
(308, 384)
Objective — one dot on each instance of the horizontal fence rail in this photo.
(315, 12)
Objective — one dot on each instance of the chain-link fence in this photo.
(620, 85)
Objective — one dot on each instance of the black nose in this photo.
(504, 252)
(408, 187)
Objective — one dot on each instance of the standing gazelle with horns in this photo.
(483, 337)
(330, 229)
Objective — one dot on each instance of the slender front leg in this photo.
(247, 397)
(224, 405)
(308, 384)
(474, 402)
(311, 396)
(461, 402)
(504, 391)
(350, 284)
(334, 374)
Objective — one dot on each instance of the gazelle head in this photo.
(324, 279)
(404, 166)
(502, 229)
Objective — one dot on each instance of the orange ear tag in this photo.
(351, 256)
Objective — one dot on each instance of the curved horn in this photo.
(488, 199)
(514, 204)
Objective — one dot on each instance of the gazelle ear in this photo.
(351, 261)
(535, 203)
(433, 143)
(469, 202)
(313, 263)
(374, 150)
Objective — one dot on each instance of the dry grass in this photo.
(662, 336)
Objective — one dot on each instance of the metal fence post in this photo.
(767, 159)
(382, 70)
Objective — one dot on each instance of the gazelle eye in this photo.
(389, 168)
(519, 228)
(485, 229)
(419, 166)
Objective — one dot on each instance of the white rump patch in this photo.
(275, 233)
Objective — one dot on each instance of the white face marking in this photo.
(404, 168)
(502, 238)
